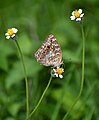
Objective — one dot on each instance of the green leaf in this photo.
(3, 62)
(68, 99)
(14, 108)
(25, 43)
(10, 118)
(69, 56)
(17, 72)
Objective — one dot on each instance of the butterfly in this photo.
(49, 54)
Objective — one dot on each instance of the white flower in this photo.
(57, 72)
(77, 15)
(11, 33)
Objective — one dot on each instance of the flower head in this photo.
(57, 72)
(11, 33)
(77, 15)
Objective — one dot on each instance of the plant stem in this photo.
(26, 81)
(40, 98)
(82, 80)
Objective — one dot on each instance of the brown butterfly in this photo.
(49, 54)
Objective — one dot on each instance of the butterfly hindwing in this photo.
(49, 54)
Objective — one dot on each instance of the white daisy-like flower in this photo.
(77, 15)
(11, 33)
(57, 72)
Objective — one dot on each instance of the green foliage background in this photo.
(35, 19)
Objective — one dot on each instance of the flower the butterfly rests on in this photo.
(49, 54)
(57, 72)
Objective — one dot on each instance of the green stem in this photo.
(40, 98)
(26, 81)
(82, 80)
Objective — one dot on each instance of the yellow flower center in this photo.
(59, 70)
(76, 14)
(10, 32)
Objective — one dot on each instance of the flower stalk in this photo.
(82, 79)
(26, 81)
(11, 34)
(40, 98)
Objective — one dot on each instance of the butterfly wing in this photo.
(49, 54)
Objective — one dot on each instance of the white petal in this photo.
(13, 35)
(78, 19)
(8, 37)
(57, 66)
(54, 70)
(82, 15)
(72, 17)
(62, 69)
(73, 13)
(14, 30)
(80, 11)
(56, 74)
(61, 76)
(6, 34)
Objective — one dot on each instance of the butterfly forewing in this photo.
(49, 54)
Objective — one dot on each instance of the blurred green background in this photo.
(35, 19)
